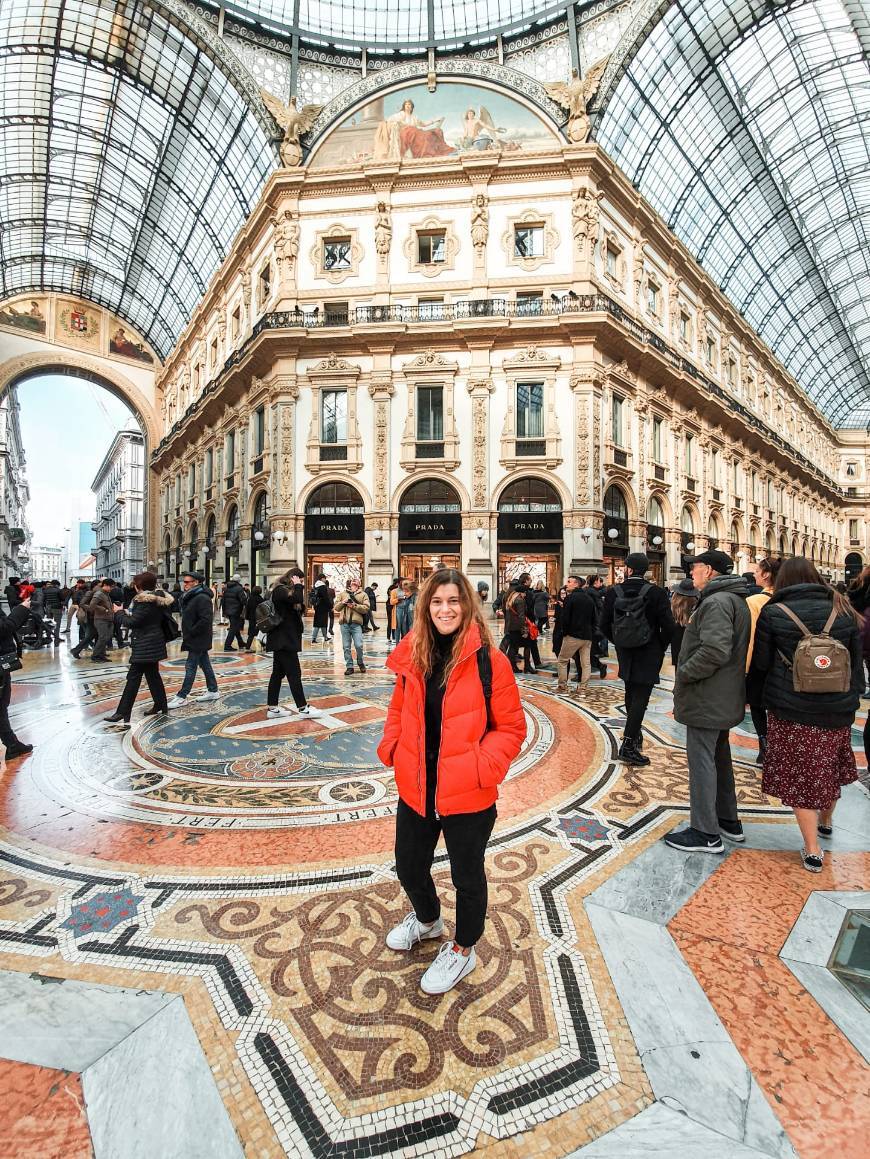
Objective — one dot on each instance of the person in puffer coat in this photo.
(448, 761)
(148, 611)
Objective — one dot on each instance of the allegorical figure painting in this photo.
(27, 316)
(120, 343)
(412, 124)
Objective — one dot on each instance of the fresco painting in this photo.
(413, 124)
(26, 315)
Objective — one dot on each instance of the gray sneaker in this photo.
(409, 931)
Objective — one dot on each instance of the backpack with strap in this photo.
(820, 663)
(268, 617)
(631, 628)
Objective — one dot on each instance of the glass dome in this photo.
(395, 23)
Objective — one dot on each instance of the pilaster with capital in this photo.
(480, 389)
(381, 390)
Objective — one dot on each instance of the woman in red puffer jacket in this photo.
(448, 761)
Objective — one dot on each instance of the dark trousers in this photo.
(286, 663)
(104, 629)
(466, 836)
(57, 616)
(135, 672)
(759, 719)
(516, 641)
(636, 701)
(117, 630)
(235, 632)
(6, 734)
(86, 635)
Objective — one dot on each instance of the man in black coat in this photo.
(233, 605)
(13, 596)
(639, 666)
(372, 593)
(578, 627)
(595, 588)
(53, 605)
(9, 626)
(196, 638)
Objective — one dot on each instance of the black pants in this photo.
(285, 662)
(135, 672)
(465, 835)
(235, 632)
(636, 701)
(759, 719)
(517, 640)
(6, 734)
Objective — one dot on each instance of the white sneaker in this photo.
(277, 710)
(203, 696)
(177, 702)
(309, 710)
(449, 967)
(409, 931)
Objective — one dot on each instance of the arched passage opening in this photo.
(530, 532)
(334, 533)
(430, 528)
(75, 485)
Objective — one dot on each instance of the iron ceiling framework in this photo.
(745, 125)
(130, 159)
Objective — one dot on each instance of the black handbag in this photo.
(170, 628)
(9, 662)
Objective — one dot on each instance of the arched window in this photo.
(335, 499)
(261, 511)
(530, 494)
(430, 495)
(233, 523)
(687, 521)
(210, 530)
(655, 515)
(615, 518)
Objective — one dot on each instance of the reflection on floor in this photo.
(234, 872)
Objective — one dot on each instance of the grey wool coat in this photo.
(710, 685)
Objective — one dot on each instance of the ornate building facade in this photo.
(499, 360)
(14, 490)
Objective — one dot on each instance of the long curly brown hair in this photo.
(423, 639)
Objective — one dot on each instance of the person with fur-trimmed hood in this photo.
(147, 621)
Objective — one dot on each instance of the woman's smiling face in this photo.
(445, 608)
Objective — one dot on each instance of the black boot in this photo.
(630, 754)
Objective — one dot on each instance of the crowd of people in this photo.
(778, 642)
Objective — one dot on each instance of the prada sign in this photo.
(431, 527)
(334, 528)
(522, 526)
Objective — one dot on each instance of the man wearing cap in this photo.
(196, 638)
(709, 699)
(640, 665)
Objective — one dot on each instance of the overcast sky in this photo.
(67, 426)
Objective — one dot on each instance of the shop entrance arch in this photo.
(430, 529)
(334, 534)
(530, 533)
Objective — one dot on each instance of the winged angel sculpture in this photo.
(295, 123)
(574, 95)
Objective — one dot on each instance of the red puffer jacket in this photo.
(472, 762)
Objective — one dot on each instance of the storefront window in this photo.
(333, 416)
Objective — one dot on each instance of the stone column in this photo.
(480, 551)
(587, 384)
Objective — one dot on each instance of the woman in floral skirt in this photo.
(809, 744)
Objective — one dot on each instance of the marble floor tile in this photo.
(42, 1113)
(67, 1024)
(657, 884)
(787, 836)
(661, 1131)
(814, 934)
(154, 1094)
(688, 1055)
(840, 1005)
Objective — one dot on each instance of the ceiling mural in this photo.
(412, 123)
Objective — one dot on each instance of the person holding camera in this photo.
(352, 608)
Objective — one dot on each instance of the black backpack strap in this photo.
(484, 669)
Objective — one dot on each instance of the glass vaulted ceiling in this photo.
(128, 163)
(746, 124)
(395, 23)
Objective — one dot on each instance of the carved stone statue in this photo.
(295, 123)
(286, 241)
(383, 230)
(584, 217)
(479, 222)
(575, 95)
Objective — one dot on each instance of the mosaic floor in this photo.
(243, 864)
